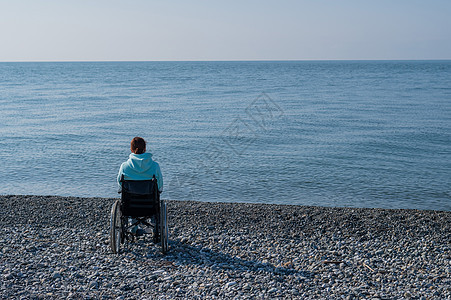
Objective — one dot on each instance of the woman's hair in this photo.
(138, 145)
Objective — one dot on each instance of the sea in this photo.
(322, 133)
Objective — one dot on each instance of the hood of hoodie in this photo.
(140, 167)
(140, 163)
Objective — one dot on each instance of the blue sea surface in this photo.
(328, 133)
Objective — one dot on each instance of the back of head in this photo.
(138, 145)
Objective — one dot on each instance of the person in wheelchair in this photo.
(139, 166)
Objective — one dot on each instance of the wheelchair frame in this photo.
(140, 200)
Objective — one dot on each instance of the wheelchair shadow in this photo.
(185, 254)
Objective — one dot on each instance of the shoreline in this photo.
(55, 247)
(230, 202)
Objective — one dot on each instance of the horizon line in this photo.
(219, 60)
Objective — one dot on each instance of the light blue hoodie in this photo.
(141, 167)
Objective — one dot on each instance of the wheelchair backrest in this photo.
(140, 198)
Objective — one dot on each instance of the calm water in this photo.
(362, 134)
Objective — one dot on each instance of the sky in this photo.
(147, 30)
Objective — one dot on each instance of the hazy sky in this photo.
(61, 30)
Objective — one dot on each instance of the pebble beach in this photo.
(58, 247)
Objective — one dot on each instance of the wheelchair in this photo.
(140, 202)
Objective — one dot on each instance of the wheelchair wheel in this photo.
(163, 227)
(116, 235)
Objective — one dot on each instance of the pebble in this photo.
(231, 283)
(58, 247)
(93, 284)
(56, 275)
